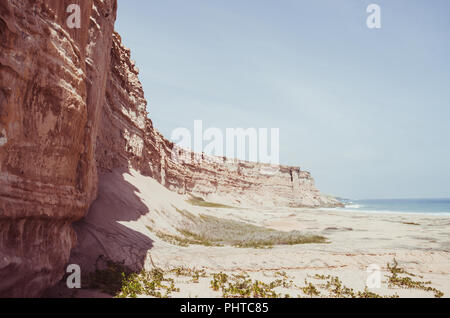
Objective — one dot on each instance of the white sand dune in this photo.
(129, 204)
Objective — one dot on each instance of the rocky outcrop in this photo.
(127, 137)
(72, 108)
(52, 87)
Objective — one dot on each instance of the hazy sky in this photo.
(366, 111)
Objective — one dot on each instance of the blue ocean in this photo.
(426, 206)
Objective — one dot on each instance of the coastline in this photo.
(350, 210)
(420, 243)
(122, 228)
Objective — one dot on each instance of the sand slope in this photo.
(129, 204)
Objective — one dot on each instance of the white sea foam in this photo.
(354, 206)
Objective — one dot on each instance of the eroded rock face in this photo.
(72, 108)
(52, 84)
(127, 138)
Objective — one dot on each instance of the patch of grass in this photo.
(197, 201)
(215, 231)
(282, 274)
(310, 290)
(151, 283)
(174, 239)
(406, 281)
(323, 277)
(212, 231)
(336, 289)
(198, 239)
(219, 280)
(368, 294)
(171, 239)
(119, 281)
(186, 214)
(241, 286)
(410, 223)
(186, 240)
(188, 272)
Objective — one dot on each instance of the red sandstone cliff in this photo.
(127, 138)
(52, 87)
(71, 109)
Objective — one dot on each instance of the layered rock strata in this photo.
(52, 88)
(127, 137)
(71, 109)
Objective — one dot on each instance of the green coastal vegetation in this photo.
(119, 281)
(209, 230)
(197, 201)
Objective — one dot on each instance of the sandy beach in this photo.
(355, 241)
(420, 243)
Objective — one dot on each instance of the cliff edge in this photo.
(71, 110)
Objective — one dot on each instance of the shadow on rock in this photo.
(109, 231)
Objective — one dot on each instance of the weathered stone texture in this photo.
(72, 108)
(52, 85)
